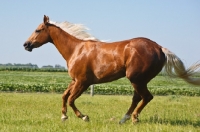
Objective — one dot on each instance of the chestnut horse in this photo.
(91, 61)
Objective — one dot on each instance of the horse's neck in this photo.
(64, 42)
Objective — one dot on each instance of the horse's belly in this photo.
(108, 72)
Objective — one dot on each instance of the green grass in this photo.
(31, 112)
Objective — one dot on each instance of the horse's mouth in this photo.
(28, 49)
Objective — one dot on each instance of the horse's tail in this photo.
(174, 67)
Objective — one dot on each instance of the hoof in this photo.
(85, 118)
(63, 118)
(135, 120)
(124, 119)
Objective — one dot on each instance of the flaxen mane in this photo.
(77, 30)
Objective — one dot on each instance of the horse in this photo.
(92, 61)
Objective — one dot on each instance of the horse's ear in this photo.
(46, 19)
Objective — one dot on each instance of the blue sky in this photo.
(174, 24)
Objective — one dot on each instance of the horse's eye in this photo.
(37, 30)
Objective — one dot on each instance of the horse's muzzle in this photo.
(28, 46)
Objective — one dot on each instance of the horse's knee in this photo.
(66, 94)
(70, 103)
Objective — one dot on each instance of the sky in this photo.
(174, 24)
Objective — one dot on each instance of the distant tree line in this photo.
(31, 67)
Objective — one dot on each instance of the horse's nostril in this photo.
(28, 46)
(25, 44)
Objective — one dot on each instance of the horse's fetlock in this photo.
(135, 118)
(64, 117)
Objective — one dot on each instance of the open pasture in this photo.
(30, 112)
(39, 111)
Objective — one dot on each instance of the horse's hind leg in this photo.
(135, 100)
(141, 93)
(146, 98)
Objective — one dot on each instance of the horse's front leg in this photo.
(65, 98)
(75, 93)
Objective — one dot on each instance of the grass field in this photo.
(31, 112)
(32, 102)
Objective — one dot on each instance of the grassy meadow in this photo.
(31, 112)
(31, 101)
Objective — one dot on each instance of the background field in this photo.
(31, 112)
(19, 81)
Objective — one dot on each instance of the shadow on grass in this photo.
(174, 122)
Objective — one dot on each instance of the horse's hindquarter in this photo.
(144, 60)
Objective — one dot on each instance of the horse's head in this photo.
(39, 37)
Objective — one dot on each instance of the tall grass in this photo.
(31, 112)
